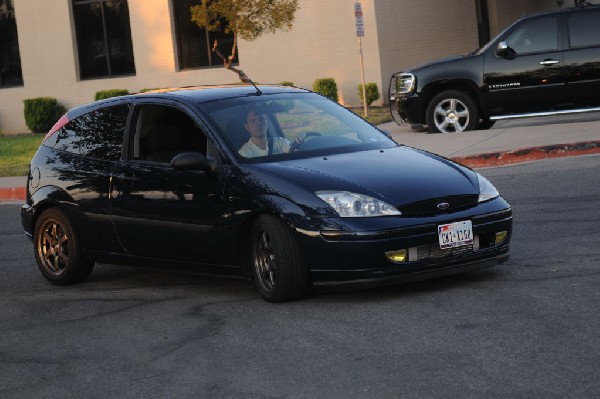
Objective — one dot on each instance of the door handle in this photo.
(549, 62)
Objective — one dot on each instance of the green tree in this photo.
(246, 19)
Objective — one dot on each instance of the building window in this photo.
(10, 59)
(103, 38)
(194, 45)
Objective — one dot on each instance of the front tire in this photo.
(452, 111)
(57, 249)
(278, 267)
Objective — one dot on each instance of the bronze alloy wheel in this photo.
(53, 247)
(57, 249)
(278, 267)
(264, 261)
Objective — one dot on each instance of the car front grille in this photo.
(430, 207)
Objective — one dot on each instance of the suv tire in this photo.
(452, 111)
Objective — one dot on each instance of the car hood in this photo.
(399, 176)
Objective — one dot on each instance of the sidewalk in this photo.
(502, 145)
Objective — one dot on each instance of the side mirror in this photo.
(505, 51)
(192, 161)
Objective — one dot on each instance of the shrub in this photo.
(372, 92)
(327, 88)
(286, 84)
(104, 94)
(145, 89)
(42, 113)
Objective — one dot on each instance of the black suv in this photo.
(542, 64)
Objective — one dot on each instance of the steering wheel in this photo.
(297, 144)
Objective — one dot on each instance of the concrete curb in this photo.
(487, 160)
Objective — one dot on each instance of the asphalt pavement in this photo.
(508, 142)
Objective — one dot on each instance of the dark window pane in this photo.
(584, 29)
(534, 36)
(194, 45)
(103, 38)
(97, 134)
(10, 59)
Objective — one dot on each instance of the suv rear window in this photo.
(584, 29)
(97, 134)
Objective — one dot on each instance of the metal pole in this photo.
(362, 71)
(362, 64)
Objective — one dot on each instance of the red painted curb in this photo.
(472, 161)
(12, 194)
(529, 154)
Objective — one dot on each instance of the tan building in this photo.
(70, 49)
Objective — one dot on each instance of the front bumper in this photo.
(358, 257)
(410, 108)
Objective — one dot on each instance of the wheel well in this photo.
(436, 89)
(41, 209)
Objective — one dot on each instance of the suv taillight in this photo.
(60, 123)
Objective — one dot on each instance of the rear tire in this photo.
(452, 111)
(57, 250)
(278, 267)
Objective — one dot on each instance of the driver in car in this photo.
(259, 144)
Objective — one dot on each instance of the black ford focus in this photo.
(273, 183)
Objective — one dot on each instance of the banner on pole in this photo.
(360, 27)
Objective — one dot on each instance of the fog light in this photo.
(397, 256)
(500, 237)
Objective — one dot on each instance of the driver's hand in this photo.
(300, 138)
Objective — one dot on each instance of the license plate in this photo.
(454, 235)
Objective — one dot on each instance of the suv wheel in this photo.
(452, 111)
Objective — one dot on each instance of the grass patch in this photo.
(377, 115)
(16, 152)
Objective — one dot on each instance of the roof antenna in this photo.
(244, 76)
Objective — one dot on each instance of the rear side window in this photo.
(97, 134)
(584, 29)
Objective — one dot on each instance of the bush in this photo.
(372, 92)
(42, 113)
(286, 84)
(327, 88)
(104, 94)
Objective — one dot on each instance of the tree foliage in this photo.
(246, 19)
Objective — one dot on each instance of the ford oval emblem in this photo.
(442, 206)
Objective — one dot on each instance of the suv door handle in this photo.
(549, 62)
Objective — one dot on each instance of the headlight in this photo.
(405, 83)
(487, 191)
(356, 205)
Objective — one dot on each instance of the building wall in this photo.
(49, 58)
(322, 44)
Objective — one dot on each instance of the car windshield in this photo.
(276, 127)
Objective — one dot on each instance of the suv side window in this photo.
(584, 29)
(97, 134)
(534, 36)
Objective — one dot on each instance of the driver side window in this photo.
(534, 36)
